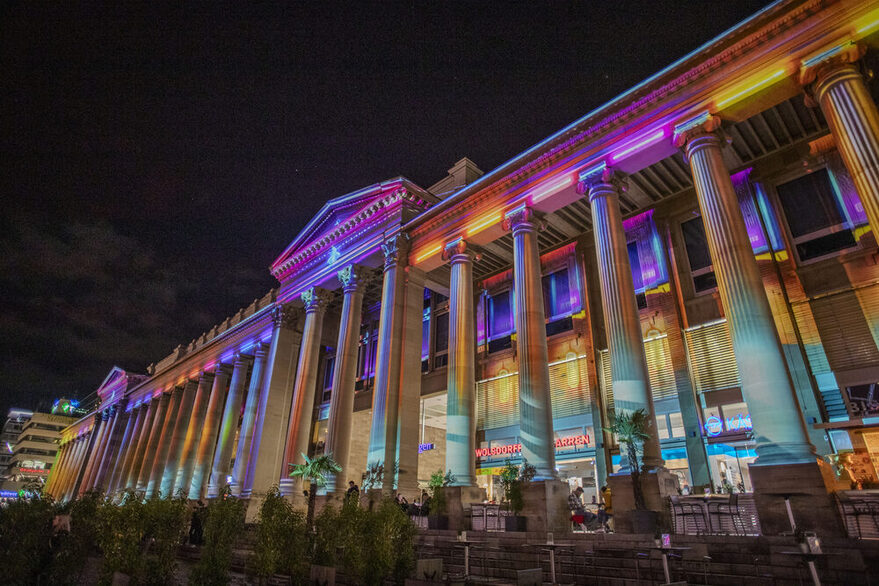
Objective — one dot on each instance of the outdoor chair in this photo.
(685, 512)
(730, 511)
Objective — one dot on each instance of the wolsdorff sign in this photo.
(562, 442)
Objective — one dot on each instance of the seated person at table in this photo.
(578, 514)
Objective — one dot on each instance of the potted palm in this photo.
(513, 480)
(630, 429)
(438, 518)
(317, 472)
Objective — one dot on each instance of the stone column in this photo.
(386, 396)
(142, 441)
(178, 438)
(301, 408)
(105, 463)
(193, 434)
(264, 467)
(838, 86)
(154, 481)
(535, 399)
(779, 430)
(353, 280)
(58, 469)
(461, 372)
(409, 413)
(625, 341)
(152, 444)
(208, 441)
(248, 421)
(228, 427)
(102, 420)
(129, 445)
(76, 467)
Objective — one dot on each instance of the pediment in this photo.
(341, 214)
(117, 382)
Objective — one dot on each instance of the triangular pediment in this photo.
(117, 382)
(338, 212)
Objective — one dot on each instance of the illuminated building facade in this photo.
(34, 451)
(700, 247)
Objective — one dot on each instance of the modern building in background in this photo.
(15, 420)
(701, 247)
(34, 452)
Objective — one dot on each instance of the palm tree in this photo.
(316, 472)
(631, 429)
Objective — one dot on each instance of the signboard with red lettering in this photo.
(508, 449)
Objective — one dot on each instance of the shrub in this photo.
(121, 537)
(225, 521)
(281, 544)
(70, 551)
(165, 523)
(25, 533)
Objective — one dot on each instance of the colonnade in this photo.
(184, 439)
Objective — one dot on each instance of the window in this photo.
(500, 315)
(556, 294)
(329, 365)
(698, 255)
(661, 426)
(635, 263)
(441, 334)
(814, 216)
(677, 424)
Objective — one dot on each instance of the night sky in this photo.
(154, 162)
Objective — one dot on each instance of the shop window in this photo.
(556, 294)
(425, 334)
(698, 256)
(676, 426)
(662, 426)
(814, 215)
(329, 366)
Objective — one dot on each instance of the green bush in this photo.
(225, 522)
(281, 541)
(70, 552)
(122, 537)
(165, 522)
(25, 533)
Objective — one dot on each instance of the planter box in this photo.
(644, 521)
(513, 523)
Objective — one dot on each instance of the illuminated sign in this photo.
(33, 470)
(562, 442)
(715, 426)
(424, 447)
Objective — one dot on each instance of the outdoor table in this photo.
(466, 543)
(551, 547)
(810, 558)
(664, 551)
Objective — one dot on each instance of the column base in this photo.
(546, 506)
(809, 486)
(287, 486)
(657, 485)
(458, 500)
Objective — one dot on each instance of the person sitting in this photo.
(575, 504)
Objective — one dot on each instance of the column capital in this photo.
(316, 299)
(396, 250)
(818, 73)
(459, 250)
(258, 350)
(602, 182)
(354, 278)
(285, 316)
(698, 133)
(221, 369)
(522, 218)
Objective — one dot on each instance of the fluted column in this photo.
(301, 408)
(129, 445)
(208, 441)
(58, 469)
(154, 480)
(228, 426)
(409, 412)
(98, 449)
(76, 467)
(461, 372)
(838, 86)
(535, 399)
(266, 461)
(386, 396)
(142, 441)
(178, 438)
(152, 444)
(779, 429)
(91, 461)
(248, 420)
(193, 434)
(105, 463)
(353, 281)
(625, 341)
